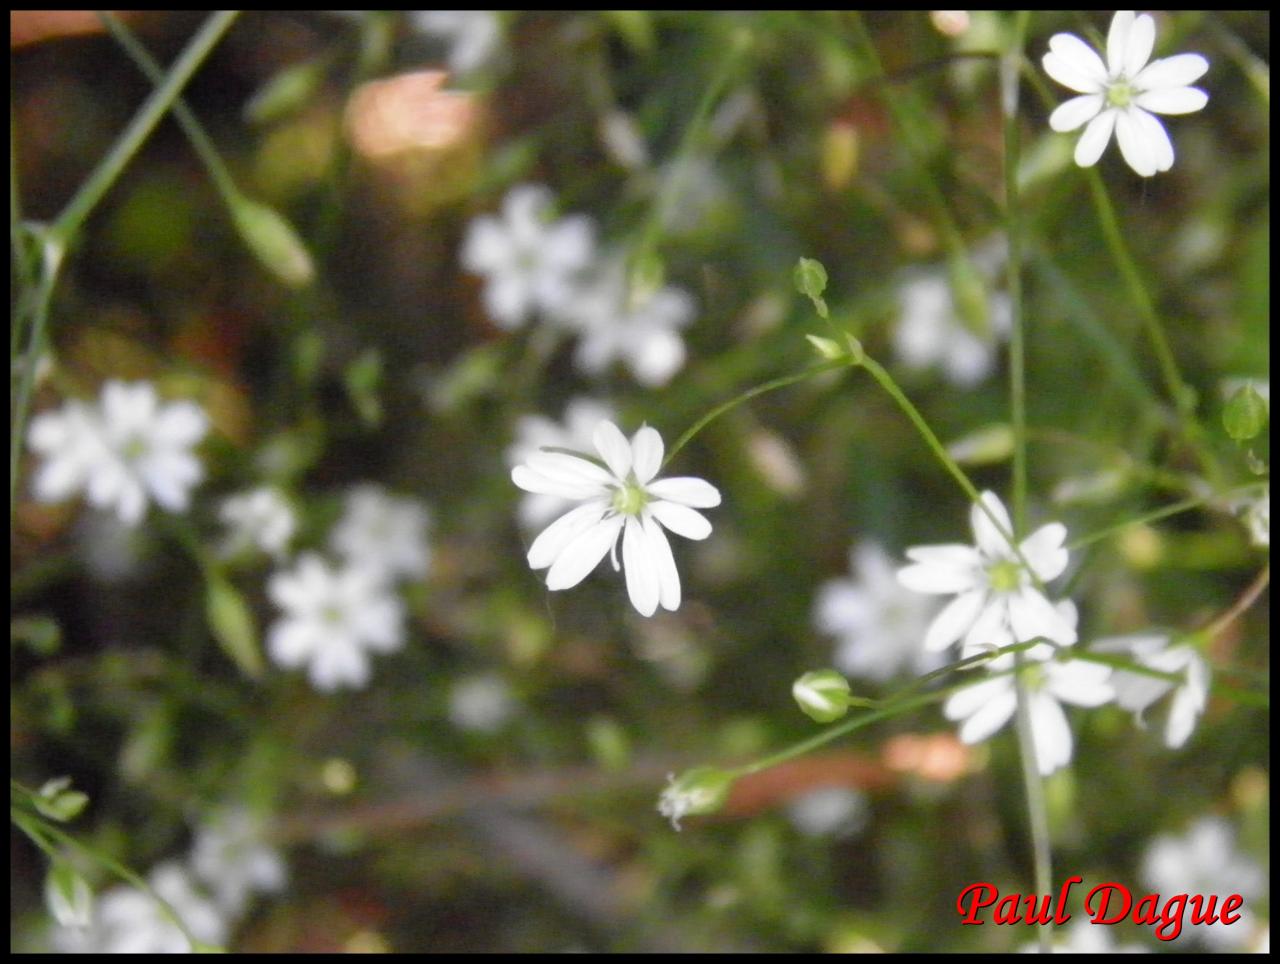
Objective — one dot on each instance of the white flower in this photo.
(531, 263)
(996, 602)
(473, 35)
(1204, 861)
(617, 322)
(880, 625)
(829, 811)
(986, 707)
(130, 450)
(230, 858)
(1123, 93)
(623, 500)
(128, 921)
(480, 703)
(261, 518)
(333, 618)
(383, 533)
(930, 331)
(533, 432)
(1136, 692)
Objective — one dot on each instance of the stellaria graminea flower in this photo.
(531, 263)
(1123, 94)
(128, 451)
(879, 624)
(231, 858)
(259, 518)
(996, 600)
(1136, 692)
(380, 532)
(333, 618)
(623, 499)
(987, 706)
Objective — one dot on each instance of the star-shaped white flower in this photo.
(385, 533)
(128, 451)
(622, 498)
(259, 518)
(531, 263)
(333, 619)
(1123, 94)
(996, 600)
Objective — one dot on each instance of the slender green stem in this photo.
(1161, 513)
(1009, 67)
(1037, 810)
(148, 116)
(187, 120)
(749, 394)
(1240, 606)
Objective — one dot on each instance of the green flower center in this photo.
(1032, 675)
(630, 499)
(134, 449)
(1120, 93)
(1005, 576)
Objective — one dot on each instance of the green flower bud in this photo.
(970, 294)
(825, 347)
(1245, 415)
(986, 446)
(274, 241)
(68, 897)
(697, 791)
(823, 695)
(233, 625)
(57, 802)
(811, 281)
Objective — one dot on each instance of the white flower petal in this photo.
(1031, 615)
(646, 446)
(1141, 41)
(1075, 112)
(686, 490)
(1118, 41)
(571, 469)
(991, 538)
(1044, 552)
(1049, 732)
(1079, 682)
(1095, 138)
(954, 620)
(680, 519)
(668, 574)
(643, 583)
(548, 546)
(1176, 71)
(1074, 64)
(968, 700)
(1156, 137)
(1173, 100)
(1135, 143)
(946, 555)
(990, 630)
(583, 554)
(989, 717)
(613, 448)
(938, 579)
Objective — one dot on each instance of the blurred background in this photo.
(493, 787)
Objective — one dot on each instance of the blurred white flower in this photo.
(333, 618)
(1083, 937)
(127, 451)
(623, 500)
(617, 322)
(261, 518)
(534, 432)
(829, 812)
(473, 35)
(996, 601)
(1123, 94)
(1205, 861)
(531, 263)
(879, 624)
(1136, 692)
(229, 857)
(480, 703)
(128, 921)
(383, 533)
(930, 331)
(986, 707)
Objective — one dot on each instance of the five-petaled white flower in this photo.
(996, 600)
(879, 625)
(260, 518)
(129, 450)
(333, 619)
(1135, 692)
(383, 533)
(622, 498)
(1123, 93)
(531, 263)
(987, 706)
(641, 328)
